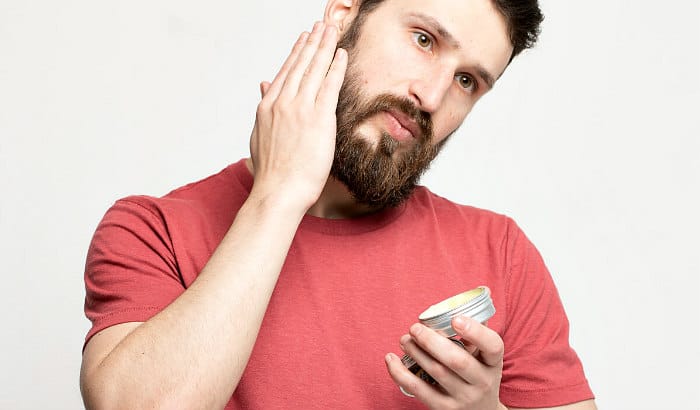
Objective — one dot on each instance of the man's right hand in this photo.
(293, 139)
(153, 364)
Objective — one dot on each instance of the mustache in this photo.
(389, 102)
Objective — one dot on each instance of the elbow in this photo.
(101, 394)
(95, 396)
(104, 393)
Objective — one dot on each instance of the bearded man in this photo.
(284, 280)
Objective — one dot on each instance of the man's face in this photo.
(414, 73)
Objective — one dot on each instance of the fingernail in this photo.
(388, 358)
(416, 329)
(404, 340)
(461, 323)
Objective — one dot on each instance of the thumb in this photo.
(264, 86)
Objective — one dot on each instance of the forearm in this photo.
(582, 405)
(193, 353)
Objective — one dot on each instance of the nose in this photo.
(430, 88)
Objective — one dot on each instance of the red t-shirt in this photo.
(347, 292)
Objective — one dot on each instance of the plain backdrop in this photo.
(590, 142)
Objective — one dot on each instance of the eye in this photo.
(466, 81)
(423, 40)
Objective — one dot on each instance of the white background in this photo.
(590, 142)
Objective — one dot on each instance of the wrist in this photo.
(280, 202)
(290, 190)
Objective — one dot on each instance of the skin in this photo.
(192, 354)
(430, 76)
(139, 365)
(427, 74)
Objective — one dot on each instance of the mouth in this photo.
(402, 126)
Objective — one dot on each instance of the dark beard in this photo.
(379, 176)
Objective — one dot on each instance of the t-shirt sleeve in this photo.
(131, 271)
(540, 369)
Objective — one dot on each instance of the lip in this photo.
(406, 122)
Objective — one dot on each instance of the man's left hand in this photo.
(467, 381)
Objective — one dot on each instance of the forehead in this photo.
(477, 30)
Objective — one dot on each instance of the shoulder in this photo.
(199, 211)
(460, 216)
(212, 194)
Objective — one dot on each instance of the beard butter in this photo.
(475, 303)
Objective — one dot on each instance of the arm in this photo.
(192, 354)
(176, 353)
(582, 405)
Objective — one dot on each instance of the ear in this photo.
(340, 13)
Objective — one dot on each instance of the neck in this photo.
(335, 201)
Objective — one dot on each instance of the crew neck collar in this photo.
(345, 226)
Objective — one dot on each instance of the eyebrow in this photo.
(447, 36)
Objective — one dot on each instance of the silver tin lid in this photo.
(475, 303)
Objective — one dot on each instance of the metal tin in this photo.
(475, 303)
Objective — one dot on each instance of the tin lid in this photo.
(475, 303)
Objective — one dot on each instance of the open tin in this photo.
(475, 303)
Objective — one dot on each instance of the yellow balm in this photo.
(451, 303)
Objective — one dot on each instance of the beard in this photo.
(386, 173)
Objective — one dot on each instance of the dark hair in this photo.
(523, 18)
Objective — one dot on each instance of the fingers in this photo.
(414, 385)
(450, 365)
(314, 69)
(463, 378)
(311, 66)
(450, 381)
(471, 348)
(298, 69)
(277, 83)
(317, 69)
(443, 354)
(264, 88)
(487, 341)
(330, 89)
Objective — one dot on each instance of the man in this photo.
(282, 281)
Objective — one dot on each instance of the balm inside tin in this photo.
(475, 303)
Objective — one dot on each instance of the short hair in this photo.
(523, 19)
